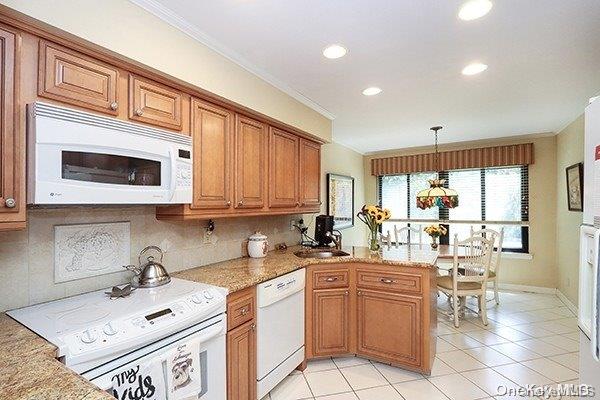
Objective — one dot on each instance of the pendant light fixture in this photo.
(437, 195)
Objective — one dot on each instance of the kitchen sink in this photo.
(321, 253)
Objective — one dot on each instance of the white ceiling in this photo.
(543, 57)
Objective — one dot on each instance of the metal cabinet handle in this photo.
(114, 105)
(228, 202)
(386, 280)
(253, 327)
(297, 203)
(241, 203)
(359, 293)
(244, 311)
(346, 293)
(139, 112)
(331, 279)
(10, 202)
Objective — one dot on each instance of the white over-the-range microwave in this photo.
(75, 157)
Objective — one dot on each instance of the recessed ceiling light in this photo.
(334, 51)
(474, 9)
(371, 91)
(474, 69)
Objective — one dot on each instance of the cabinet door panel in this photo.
(212, 137)
(73, 78)
(310, 174)
(251, 163)
(12, 142)
(389, 327)
(331, 326)
(283, 166)
(241, 363)
(153, 103)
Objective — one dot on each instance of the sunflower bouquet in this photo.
(373, 216)
(435, 231)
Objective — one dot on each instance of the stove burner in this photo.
(118, 292)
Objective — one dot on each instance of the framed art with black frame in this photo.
(340, 200)
(575, 187)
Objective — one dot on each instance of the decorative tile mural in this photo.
(87, 250)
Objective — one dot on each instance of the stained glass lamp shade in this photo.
(437, 195)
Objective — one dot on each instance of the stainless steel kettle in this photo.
(150, 273)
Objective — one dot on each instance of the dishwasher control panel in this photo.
(276, 289)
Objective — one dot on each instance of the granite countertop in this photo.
(28, 365)
(29, 368)
(241, 273)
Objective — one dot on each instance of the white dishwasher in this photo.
(280, 337)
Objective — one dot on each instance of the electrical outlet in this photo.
(292, 224)
(207, 235)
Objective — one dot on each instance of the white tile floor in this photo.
(531, 339)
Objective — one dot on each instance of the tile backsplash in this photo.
(27, 257)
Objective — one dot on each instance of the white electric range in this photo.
(98, 337)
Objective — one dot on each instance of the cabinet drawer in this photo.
(394, 281)
(73, 78)
(153, 103)
(331, 278)
(240, 307)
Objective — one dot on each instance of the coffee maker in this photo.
(323, 230)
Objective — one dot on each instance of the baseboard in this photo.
(567, 302)
(525, 288)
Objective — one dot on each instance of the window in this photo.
(488, 197)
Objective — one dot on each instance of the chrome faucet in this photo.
(336, 236)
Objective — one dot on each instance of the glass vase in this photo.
(373, 241)
(434, 242)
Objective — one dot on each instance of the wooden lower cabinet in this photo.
(384, 313)
(331, 326)
(389, 326)
(241, 345)
(241, 362)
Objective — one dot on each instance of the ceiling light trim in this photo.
(175, 20)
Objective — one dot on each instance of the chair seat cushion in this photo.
(446, 283)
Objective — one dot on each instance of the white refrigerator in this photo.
(589, 252)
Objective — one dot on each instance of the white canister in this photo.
(258, 246)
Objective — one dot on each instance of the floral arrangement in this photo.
(435, 231)
(373, 216)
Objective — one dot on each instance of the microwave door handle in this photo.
(173, 183)
(595, 277)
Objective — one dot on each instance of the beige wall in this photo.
(569, 150)
(541, 269)
(127, 29)
(338, 159)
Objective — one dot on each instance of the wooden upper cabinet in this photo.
(251, 166)
(213, 156)
(153, 103)
(310, 174)
(12, 140)
(74, 78)
(283, 169)
(390, 327)
(331, 322)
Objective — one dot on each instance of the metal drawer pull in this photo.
(331, 279)
(139, 112)
(10, 203)
(387, 280)
(359, 293)
(346, 293)
(253, 327)
(244, 311)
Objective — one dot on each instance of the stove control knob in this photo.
(89, 336)
(196, 299)
(110, 329)
(207, 295)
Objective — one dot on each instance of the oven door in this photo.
(212, 357)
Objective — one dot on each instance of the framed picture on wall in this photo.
(575, 187)
(340, 200)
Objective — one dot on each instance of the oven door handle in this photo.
(173, 183)
(595, 283)
(105, 383)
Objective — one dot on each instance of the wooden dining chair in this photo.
(385, 240)
(472, 278)
(498, 238)
(404, 235)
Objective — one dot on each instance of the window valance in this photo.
(497, 156)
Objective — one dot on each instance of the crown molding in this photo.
(175, 20)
